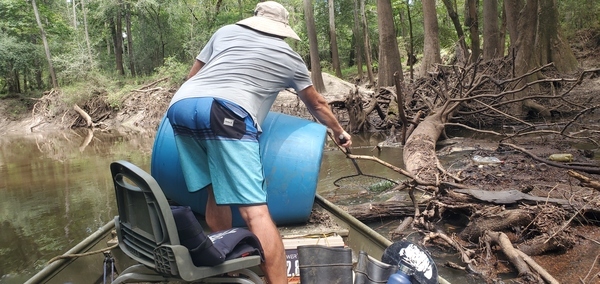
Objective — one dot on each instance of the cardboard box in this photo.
(291, 252)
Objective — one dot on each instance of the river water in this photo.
(56, 188)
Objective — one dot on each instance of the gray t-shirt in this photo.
(248, 68)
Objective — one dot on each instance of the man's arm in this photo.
(319, 108)
(195, 68)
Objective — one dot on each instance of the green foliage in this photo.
(173, 69)
(15, 56)
(167, 32)
(116, 96)
(579, 14)
(75, 63)
(16, 106)
(16, 19)
(81, 91)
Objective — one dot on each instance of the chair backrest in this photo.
(145, 221)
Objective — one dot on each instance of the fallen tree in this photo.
(472, 97)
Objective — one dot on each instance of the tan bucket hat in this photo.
(272, 18)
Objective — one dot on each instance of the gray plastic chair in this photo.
(147, 233)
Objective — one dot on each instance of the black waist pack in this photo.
(213, 249)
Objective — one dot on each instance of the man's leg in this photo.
(259, 221)
(217, 217)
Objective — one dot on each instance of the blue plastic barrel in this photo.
(291, 150)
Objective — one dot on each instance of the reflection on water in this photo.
(55, 190)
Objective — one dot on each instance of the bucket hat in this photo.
(272, 18)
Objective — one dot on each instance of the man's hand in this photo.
(344, 140)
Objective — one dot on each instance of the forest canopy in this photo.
(48, 44)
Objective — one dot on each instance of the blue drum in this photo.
(291, 150)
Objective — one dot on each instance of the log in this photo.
(508, 197)
(495, 221)
(377, 211)
(585, 181)
(511, 253)
(87, 117)
(399, 231)
(543, 273)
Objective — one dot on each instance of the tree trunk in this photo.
(46, 46)
(358, 41)
(512, 9)
(118, 40)
(315, 61)
(74, 3)
(419, 152)
(491, 32)
(539, 43)
(551, 45)
(365, 28)
(389, 55)
(130, 52)
(87, 34)
(335, 57)
(463, 53)
(431, 45)
(412, 59)
(473, 24)
(502, 31)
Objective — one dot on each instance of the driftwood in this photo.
(511, 253)
(376, 211)
(87, 117)
(399, 231)
(467, 256)
(356, 115)
(543, 273)
(508, 197)
(476, 95)
(538, 247)
(585, 181)
(522, 262)
(495, 219)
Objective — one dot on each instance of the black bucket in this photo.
(372, 271)
(321, 264)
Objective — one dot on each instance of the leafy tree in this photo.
(16, 57)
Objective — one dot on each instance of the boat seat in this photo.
(147, 233)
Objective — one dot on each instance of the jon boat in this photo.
(289, 150)
(90, 268)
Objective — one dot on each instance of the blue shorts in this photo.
(217, 144)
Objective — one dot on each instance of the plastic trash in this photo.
(486, 160)
(563, 157)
